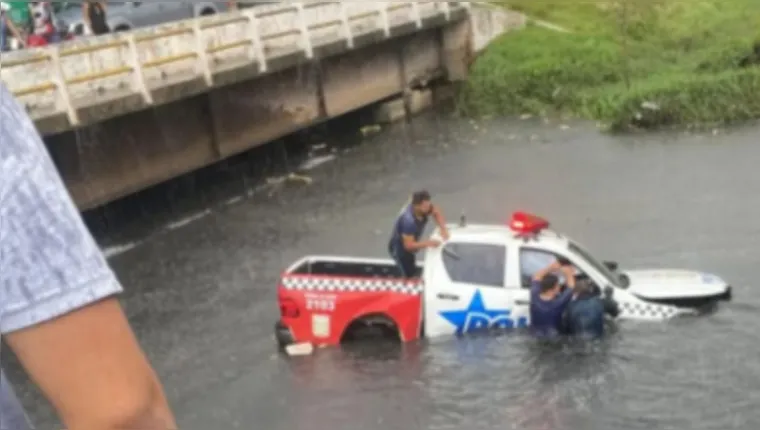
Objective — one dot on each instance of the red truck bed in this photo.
(322, 299)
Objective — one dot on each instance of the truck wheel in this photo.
(371, 327)
(207, 12)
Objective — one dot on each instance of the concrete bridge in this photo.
(125, 111)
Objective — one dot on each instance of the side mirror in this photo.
(612, 265)
(625, 281)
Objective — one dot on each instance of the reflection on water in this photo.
(202, 296)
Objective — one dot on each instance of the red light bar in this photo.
(524, 223)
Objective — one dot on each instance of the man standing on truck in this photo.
(548, 301)
(411, 222)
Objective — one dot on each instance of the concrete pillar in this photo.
(457, 50)
(397, 109)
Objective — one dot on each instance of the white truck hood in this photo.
(674, 284)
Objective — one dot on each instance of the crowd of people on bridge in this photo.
(33, 23)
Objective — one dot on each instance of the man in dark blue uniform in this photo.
(548, 301)
(411, 222)
(585, 314)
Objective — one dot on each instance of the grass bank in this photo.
(644, 63)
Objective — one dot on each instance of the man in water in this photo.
(548, 301)
(585, 313)
(58, 307)
(411, 222)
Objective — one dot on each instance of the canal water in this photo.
(201, 282)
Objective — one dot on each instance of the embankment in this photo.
(626, 63)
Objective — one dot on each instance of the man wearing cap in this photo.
(407, 230)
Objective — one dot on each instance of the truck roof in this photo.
(487, 233)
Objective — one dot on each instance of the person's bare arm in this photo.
(553, 267)
(412, 245)
(441, 222)
(57, 307)
(15, 31)
(569, 272)
(90, 367)
(86, 14)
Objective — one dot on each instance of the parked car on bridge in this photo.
(124, 16)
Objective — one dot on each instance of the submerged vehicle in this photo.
(478, 279)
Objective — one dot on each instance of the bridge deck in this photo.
(88, 80)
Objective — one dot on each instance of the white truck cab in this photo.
(481, 278)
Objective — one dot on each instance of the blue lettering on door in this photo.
(477, 317)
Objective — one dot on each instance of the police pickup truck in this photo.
(478, 279)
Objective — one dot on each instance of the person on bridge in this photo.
(58, 307)
(8, 28)
(408, 228)
(94, 16)
(548, 301)
(585, 313)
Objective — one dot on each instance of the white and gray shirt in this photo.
(49, 262)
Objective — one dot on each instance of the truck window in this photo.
(531, 261)
(475, 263)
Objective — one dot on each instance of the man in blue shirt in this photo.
(548, 301)
(585, 314)
(411, 222)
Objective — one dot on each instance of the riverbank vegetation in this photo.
(641, 63)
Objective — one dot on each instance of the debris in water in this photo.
(650, 105)
(370, 129)
(316, 161)
(564, 127)
(299, 349)
(277, 183)
(290, 177)
(526, 116)
(512, 137)
(319, 146)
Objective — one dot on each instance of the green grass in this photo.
(681, 56)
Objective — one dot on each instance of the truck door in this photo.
(465, 289)
(531, 259)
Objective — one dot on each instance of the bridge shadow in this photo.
(146, 211)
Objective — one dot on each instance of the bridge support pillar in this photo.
(457, 50)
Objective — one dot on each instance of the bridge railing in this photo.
(61, 78)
